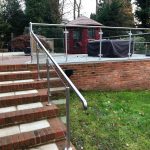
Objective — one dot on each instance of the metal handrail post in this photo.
(66, 43)
(133, 44)
(68, 147)
(31, 44)
(130, 38)
(48, 80)
(146, 49)
(38, 65)
(100, 44)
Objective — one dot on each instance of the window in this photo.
(91, 33)
(77, 37)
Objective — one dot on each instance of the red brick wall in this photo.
(125, 75)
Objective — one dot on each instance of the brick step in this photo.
(27, 113)
(26, 119)
(20, 67)
(22, 112)
(36, 84)
(22, 75)
(38, 96)
(31, 135)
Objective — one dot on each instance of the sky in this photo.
(88, 7)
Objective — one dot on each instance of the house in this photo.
(79, 36)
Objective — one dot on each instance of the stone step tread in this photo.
(8, 94)
(14, 72)
(63, 119)
(30, 96)
(55, 131)
(12, 82)
(37, 84)
(60, 145)
(25, 127)
(28, 115)
(16, 81)
(21, 107)
(52, 146)
(4, 76)
(20, 67)
(59, 101)
(23, 72)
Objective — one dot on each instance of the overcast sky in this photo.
(88, 7)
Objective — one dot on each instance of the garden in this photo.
(113, 121)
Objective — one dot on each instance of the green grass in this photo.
(113, 121)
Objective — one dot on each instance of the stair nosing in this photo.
(40, 96)
(44, 135)
(21, 116)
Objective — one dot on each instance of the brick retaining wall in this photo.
(122, 75)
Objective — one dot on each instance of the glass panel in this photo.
(77, 37)
(91, 33)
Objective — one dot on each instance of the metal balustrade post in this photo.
(48, 80)
(66, 43)
(146, 49)
(31, 43)
(133, 44)
(38, 65)
(68, 147)
(100, 44)
(130, 39)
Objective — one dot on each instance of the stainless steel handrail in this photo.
(119, 36)
(143, 42)
(106, 27)
(84, 102)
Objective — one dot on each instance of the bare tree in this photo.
(96, 6)
(74, 9)
(65, 7)
(79, 8)
(61, 7)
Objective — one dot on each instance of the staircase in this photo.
(27, 120)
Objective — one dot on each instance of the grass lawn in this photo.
(113, 121)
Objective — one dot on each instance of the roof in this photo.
(84, 21)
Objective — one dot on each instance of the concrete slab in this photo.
(63, 119)
(19, 58)
(52, 146)
(29, 106)
(16, 81)
(34, 126)
(48, 147)
(6, 82)
(9, 131)
(7, 109)
(23, 81)
(13, 72)
(26, 92)
(59, 101)
(57, 89)
(6, 94)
